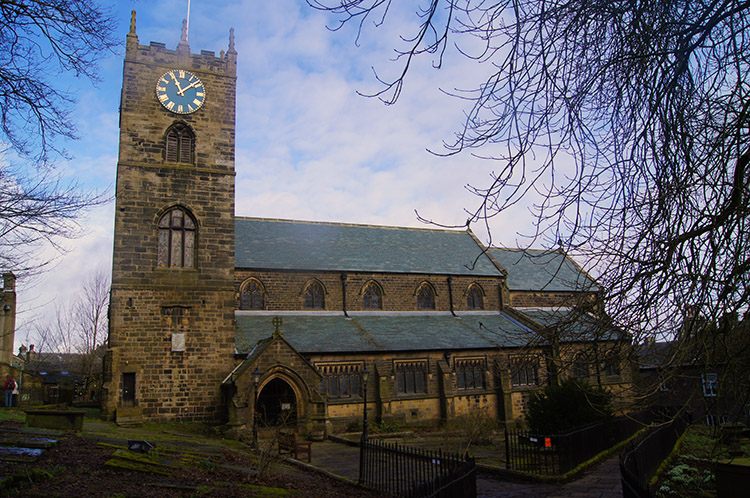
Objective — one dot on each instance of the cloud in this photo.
(307, 145)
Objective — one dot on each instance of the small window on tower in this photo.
(179, 146)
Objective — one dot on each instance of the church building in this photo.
(241, 320)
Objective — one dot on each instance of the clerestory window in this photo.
(251, 296)
(372, 298)
(425, 297)
(315, 296)
(474, 299)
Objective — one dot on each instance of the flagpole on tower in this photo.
(187, 27)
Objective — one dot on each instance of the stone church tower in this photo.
(171, 338)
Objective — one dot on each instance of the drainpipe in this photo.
(343, 293)
(450, 293)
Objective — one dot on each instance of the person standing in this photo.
(9, 386)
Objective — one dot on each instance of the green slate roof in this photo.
(575, 326)
(311, 333)
(297, 245)
(536, 270)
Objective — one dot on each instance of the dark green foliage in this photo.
(559, 408)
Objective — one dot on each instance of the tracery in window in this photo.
(612, 364)
(411, 376)
(524, 371)
(177, 233)
(425, 297)
(470, 373)
(372, 298)
(710, 383)
(179, 144)
(252, 295)
(341, 380)
(580, 366)
(315, 295)
(474, 298)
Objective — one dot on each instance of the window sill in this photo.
(346, 401)
(412, 395)
(525, 387)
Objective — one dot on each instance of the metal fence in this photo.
(415, 473)
(641, 459)
(559, 453)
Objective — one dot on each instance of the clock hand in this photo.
(177, 83)
(191, 85)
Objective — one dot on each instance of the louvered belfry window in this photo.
(180, 144)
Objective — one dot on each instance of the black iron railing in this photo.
(557, 454)
(416, 473)
(642, 457)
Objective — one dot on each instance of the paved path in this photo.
(602, 481)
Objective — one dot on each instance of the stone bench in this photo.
(64, 420)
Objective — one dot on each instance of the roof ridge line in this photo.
(345, 224)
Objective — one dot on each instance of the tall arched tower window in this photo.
(177, 233)
(179, 145)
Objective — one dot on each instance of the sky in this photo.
(308, 146)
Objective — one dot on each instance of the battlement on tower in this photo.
(157, 52)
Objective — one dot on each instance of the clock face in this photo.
(180, 91)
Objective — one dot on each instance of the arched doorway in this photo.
(277, 404)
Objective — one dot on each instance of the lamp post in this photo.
(256, 381)
(363, 440)
(365, 375)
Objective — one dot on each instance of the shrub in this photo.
(570, 404)
(476, 428)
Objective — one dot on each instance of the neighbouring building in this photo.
(219, 317)
(704, 371)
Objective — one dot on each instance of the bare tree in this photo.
(37, 212)
(74, 340)
(91, 323)
(40, 41)
(625, 126)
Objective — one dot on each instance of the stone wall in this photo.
(172, 328)
(284, 290)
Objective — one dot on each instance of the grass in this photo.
(689, 469)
